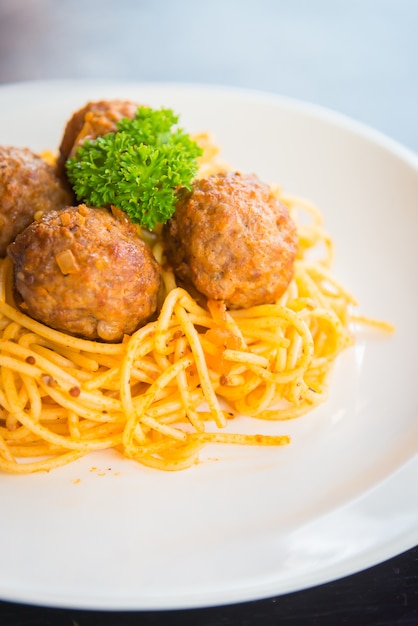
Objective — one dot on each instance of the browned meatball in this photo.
(233, 240)
(85, 272)
(94, 120)
(28, 185)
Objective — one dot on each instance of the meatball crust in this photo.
(28, 185)
(94, 120)
(233, 240)
(82, 271)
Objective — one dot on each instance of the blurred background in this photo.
(359, 57)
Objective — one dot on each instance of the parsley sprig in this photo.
(139, 168)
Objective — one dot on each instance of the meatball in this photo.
(233, 240)
(28, 185)
(94, 120)
(85, 272)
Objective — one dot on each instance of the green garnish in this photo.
(138, 169)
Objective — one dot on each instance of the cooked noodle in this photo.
(172, 387)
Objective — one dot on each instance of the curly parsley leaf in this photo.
(138, 169)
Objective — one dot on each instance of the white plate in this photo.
(245, 523)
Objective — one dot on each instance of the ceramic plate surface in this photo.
(244, 524)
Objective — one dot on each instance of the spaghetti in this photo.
(160, 395)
